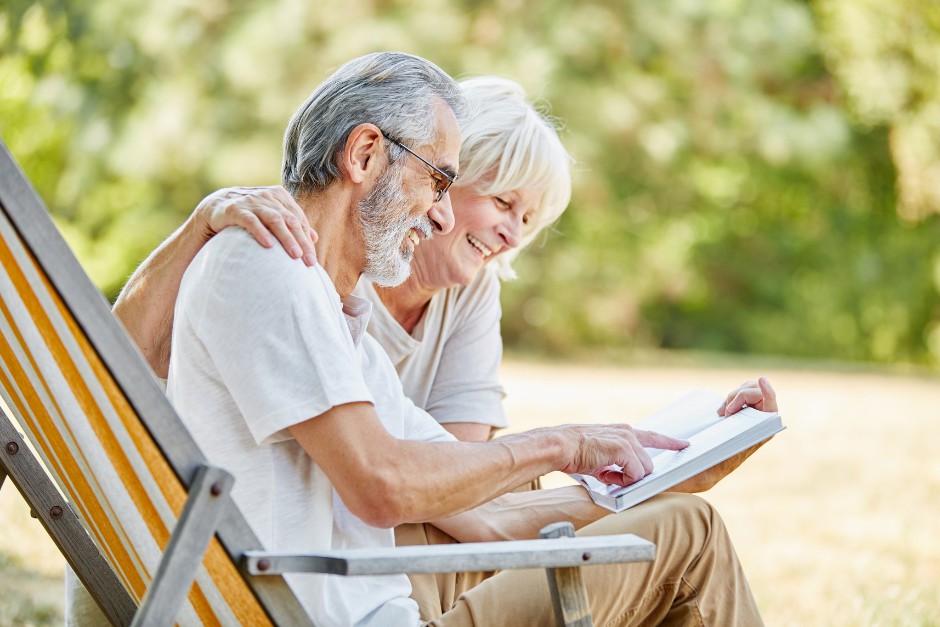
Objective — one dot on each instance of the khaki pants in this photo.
(696, 578)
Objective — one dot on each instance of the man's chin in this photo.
(389, 278)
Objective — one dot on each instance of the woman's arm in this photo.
(520, 515)
(465, 393)
(469, 431)
(145, 304)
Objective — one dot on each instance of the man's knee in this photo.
(659, 517)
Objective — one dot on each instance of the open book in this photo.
(713, 439)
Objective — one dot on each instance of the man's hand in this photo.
(614, 454)
(265, 212)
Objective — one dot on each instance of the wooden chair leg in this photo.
(569, 597)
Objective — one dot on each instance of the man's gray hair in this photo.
(395, 91)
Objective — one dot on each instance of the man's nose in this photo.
(442, 215)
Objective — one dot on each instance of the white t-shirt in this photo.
(449, 366)
(261, 342)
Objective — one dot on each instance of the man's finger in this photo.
(633, 470)
(651, 439)
(611, 476)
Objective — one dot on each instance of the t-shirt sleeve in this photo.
(420, 426)
(466, 385)
(274, 331)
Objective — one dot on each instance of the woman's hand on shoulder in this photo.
(270, 214)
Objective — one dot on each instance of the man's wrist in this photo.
(556, 445)
(542, 450)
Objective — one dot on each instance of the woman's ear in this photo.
(362, 153)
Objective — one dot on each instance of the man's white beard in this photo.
(385, 224)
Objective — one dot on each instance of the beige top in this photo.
(449, 366)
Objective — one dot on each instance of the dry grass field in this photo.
(835, 520)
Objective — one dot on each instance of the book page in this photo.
(683, 418)
(722, 431)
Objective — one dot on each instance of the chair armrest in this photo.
(449, 558)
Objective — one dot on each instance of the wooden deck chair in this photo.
(123, 490)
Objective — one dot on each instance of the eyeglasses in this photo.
(441, 184)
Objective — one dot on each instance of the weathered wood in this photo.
(63, 525)
(569, 597)
(208, 500)
(463, 557)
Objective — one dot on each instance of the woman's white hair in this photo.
(507, 144)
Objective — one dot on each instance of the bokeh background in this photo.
(759, 176)
(757, 182)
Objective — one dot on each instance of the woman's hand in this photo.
(270, 214)
(757, 394)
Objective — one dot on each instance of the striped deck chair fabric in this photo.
(81, 404)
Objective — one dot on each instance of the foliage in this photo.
(738, 161)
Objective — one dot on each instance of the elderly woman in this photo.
(441, 326)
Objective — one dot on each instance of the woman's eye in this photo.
(527, 218)
(503, 204)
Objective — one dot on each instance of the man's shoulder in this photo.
(233, 252)
(233, 268)
(236, 246)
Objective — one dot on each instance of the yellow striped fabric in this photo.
(94, 444)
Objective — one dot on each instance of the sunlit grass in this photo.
(31, 568)
(835, 519)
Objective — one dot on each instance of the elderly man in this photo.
(272, 372)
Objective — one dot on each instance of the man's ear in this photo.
(361, 156)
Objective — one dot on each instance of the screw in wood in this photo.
(215, 489)
(13, 448)
(55, 512)
(263, 565)
(587, 556)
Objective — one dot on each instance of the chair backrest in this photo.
(95, 413)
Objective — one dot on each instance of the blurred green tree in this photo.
(753, 176)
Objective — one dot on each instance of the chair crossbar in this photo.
(463, 557)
